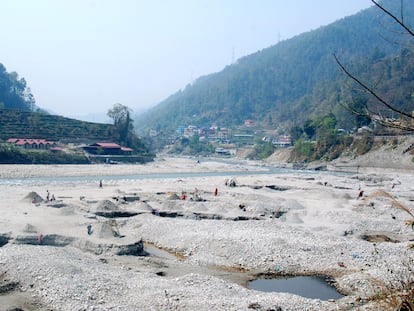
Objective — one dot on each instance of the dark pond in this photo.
(314, 287)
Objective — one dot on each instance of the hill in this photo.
(295, 79)
(26, 124)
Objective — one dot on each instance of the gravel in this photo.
(318, 233)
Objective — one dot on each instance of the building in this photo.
(107, 149)
(248, 122)
(282, 141)
(31, 143)
(222, 152)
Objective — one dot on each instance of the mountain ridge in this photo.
(281, 83)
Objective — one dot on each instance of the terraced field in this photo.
(26, 124)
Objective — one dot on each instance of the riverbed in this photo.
(270, 222)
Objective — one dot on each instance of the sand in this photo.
(200, 252)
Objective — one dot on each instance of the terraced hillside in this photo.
(26, 124)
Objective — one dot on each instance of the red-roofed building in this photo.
(107, 145)
(107, 149)
(248, 122)
(31, 143)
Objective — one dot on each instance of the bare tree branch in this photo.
(405, 123)
(399, 21)
(370, 90)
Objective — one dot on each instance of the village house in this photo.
(248, 122)
(107, 149)
(31, 143)
(282, 141)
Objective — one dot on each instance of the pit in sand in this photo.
(314, 287)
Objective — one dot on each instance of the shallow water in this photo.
(86, 179)
(158, 252)
(89, 179)
(314, 287)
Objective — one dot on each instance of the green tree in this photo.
(14, 93)
(295, 133)
(194, 142)
(303, 150)
(120, 114)
(262, 149)
(309, 128)
(124, 126)
(357, 107)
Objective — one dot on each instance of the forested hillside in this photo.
(14, 92)
(297, 79)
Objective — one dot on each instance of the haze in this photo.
(83, 56)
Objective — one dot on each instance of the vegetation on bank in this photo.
(261, 150)
(10, 154)
(192, 146)
(320, 140)
(328, 150)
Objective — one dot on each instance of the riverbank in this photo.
(282, 224)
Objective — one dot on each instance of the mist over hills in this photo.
(296, 79)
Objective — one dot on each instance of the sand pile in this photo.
(33, 197)
(106, 206)
(108, 229)
(28, 228)
(142, 207)
(173, 196)
(108, 209)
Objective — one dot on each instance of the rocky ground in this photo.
(150, 250)
(388, 153)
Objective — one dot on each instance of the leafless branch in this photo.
(396, 19)
(405, 122)
(370, 90)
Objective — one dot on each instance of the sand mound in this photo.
(106, 205)
(29, 228)
(220, 210)
(67, 210)
(200, 207)
(293, 218)
(107, 229)
(142, 206)
(293, 205)
(173, 196)
(33, 197)
(263, 209)
(172, 205)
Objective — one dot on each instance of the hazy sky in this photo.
(83, 56)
